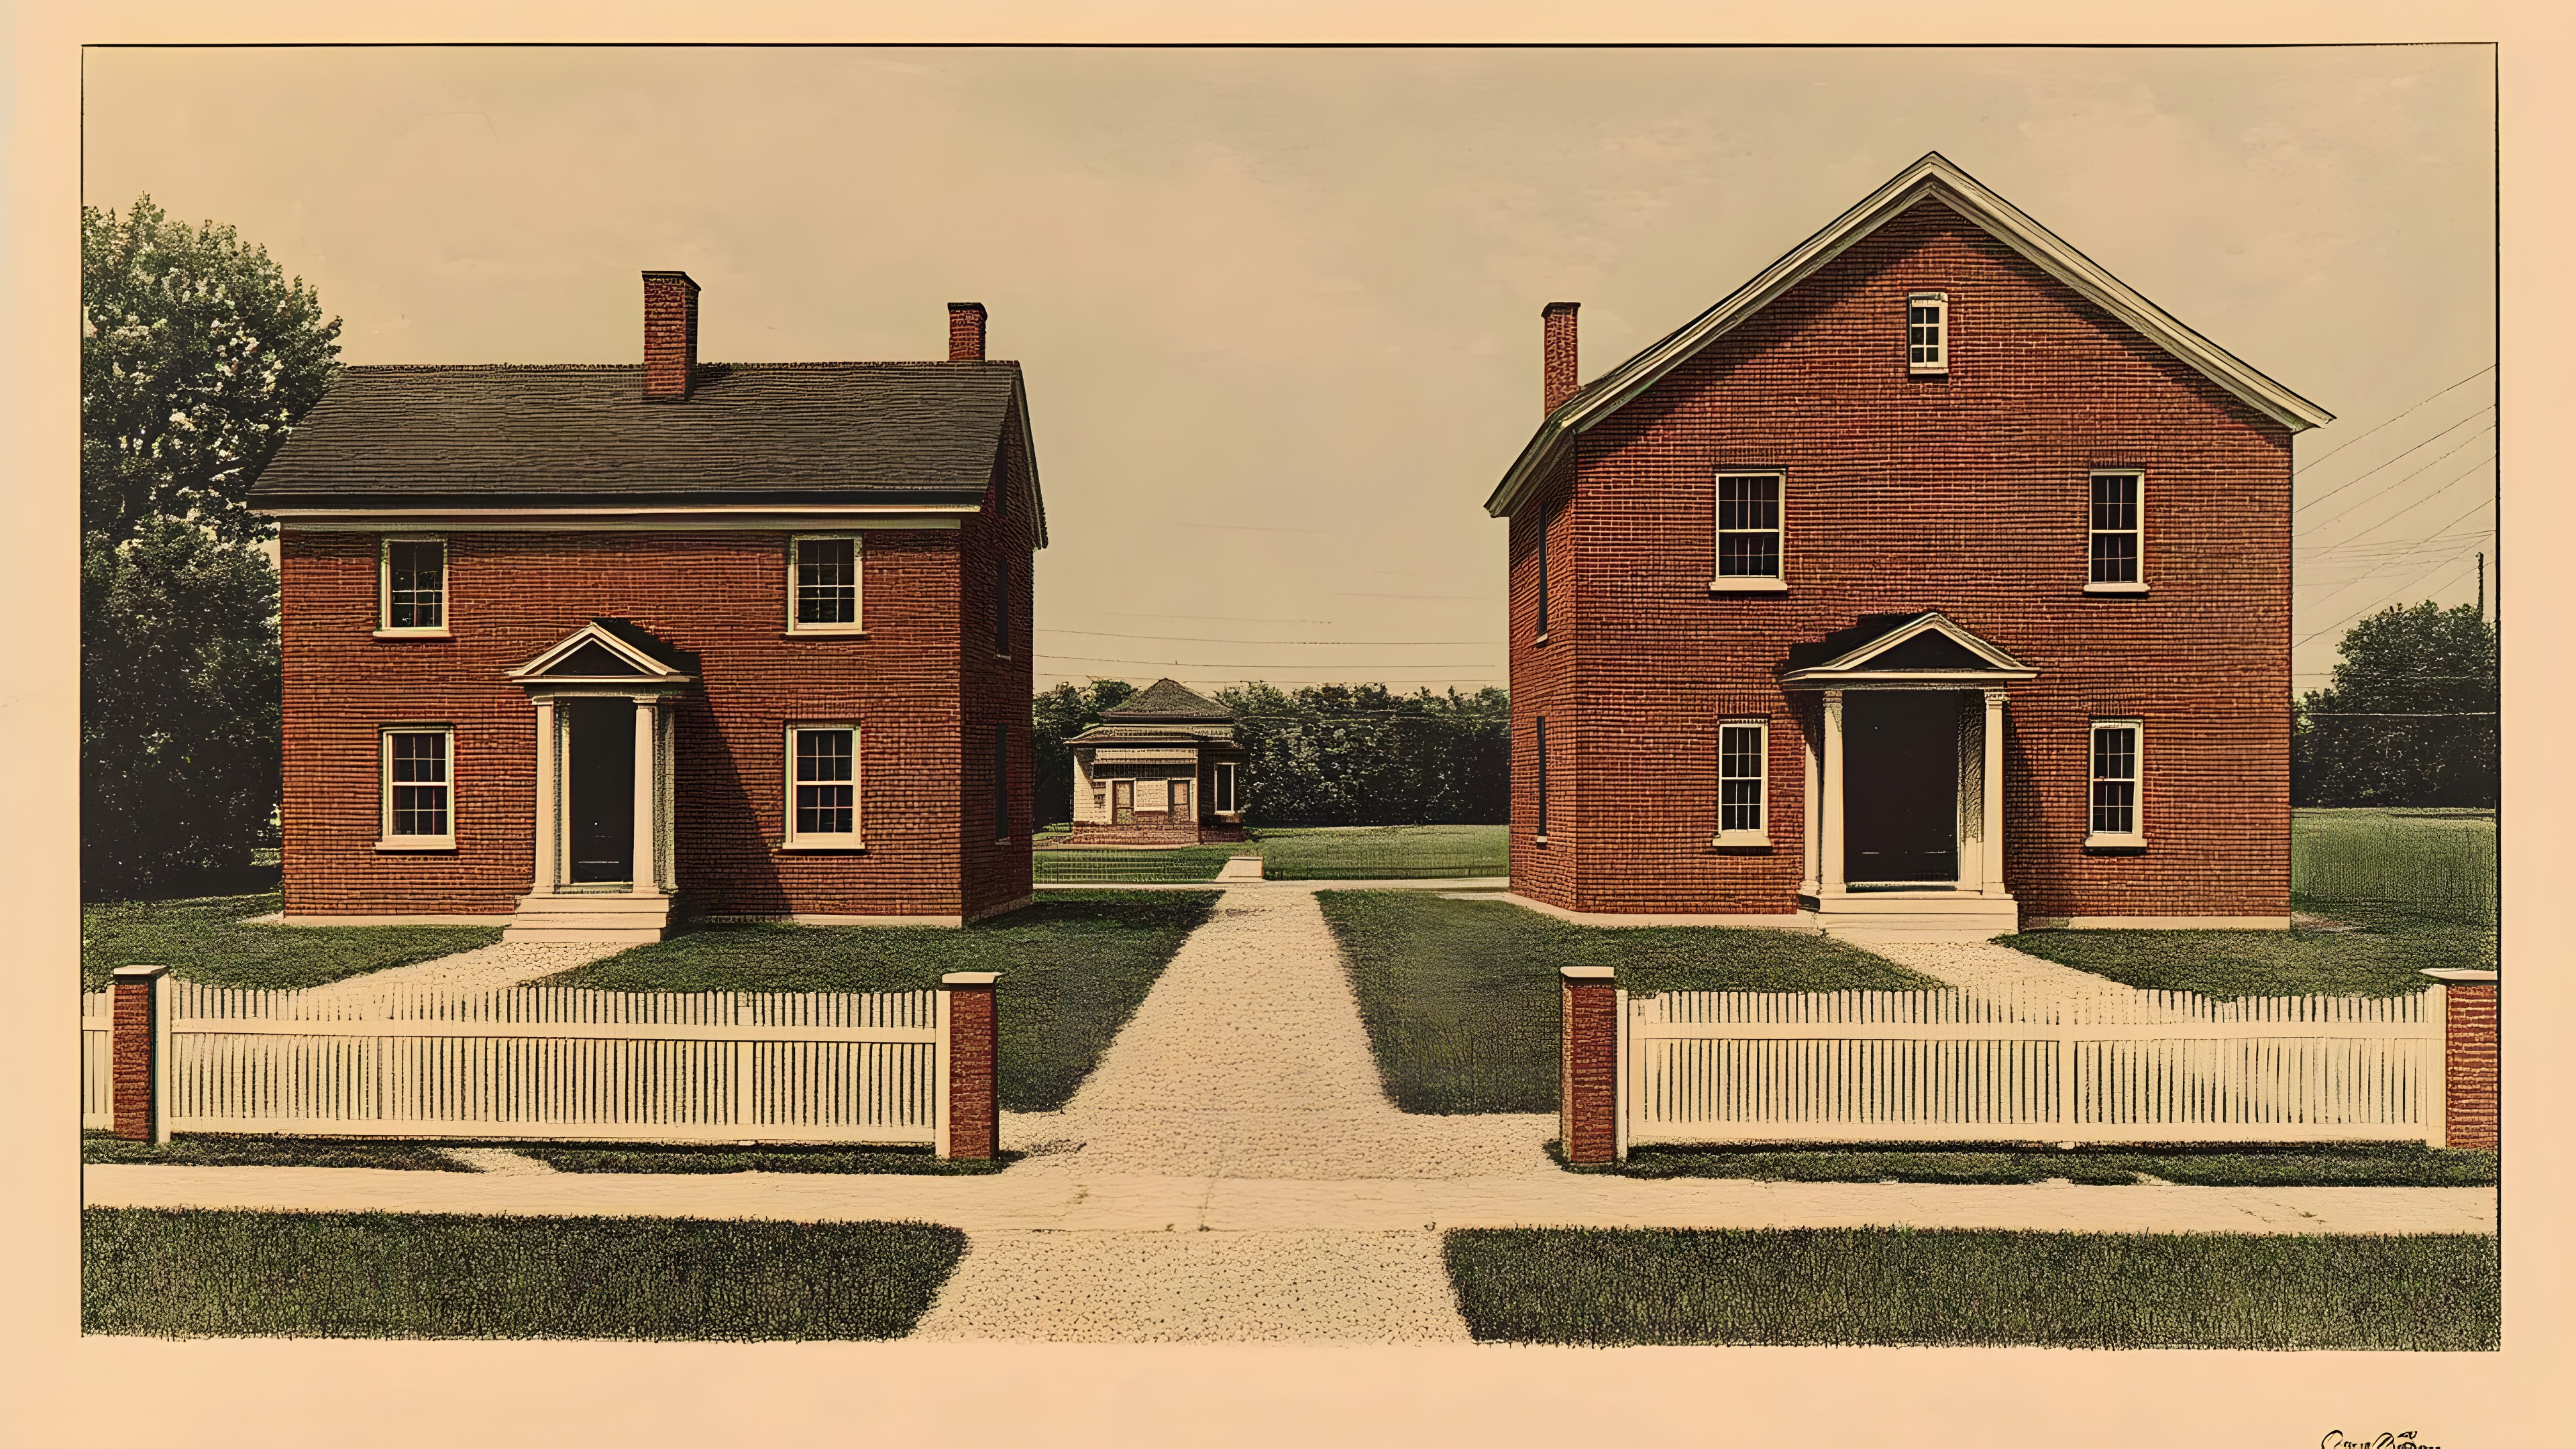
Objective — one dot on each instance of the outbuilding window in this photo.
(2118, 751)
(1743, 748)
(412, 582)
(823, 584)
(823, 785)
(418, 787)
(1927, 332)
(1221, 789)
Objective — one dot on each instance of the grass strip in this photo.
(197, 1274)
(2360, 1165)
(656, 1157)
(1848, 1286)
(2382, 953)
(204, 940)
(228, 1151)
(1460, 997)
(1075, 965)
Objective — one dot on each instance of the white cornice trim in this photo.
(1933, 178)
(650, 672)
(731, 519)
(1853, 666)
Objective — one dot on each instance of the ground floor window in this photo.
(1221, 789)
(1743, 748)
(418, 787)
(2116, 773)
(823, 784)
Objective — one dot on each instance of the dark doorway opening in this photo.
(600, 789)
(1901, 786)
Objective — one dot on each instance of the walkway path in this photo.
(486, 968)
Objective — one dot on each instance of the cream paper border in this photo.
(58, 1388)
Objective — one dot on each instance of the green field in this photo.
(204, 940)
(202, 1274)
(1074, 967)
(1460, 996)
(2431, 865)
(1894, 1286)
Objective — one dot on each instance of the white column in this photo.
(1829, 880)
(1813, 787)
(646, 880)
(1993, 845)
(547, 813)
(1969, 812)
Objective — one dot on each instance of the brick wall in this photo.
(1542, 687)
(2470, 1079)
(1967, 493)
(997, 549)
(721, 595)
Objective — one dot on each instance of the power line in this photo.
(2376, 492)
(2400, 714)
(2392, 460)
(2373, 604)
(2396, 561)
(2348, 442)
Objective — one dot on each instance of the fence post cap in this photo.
(138, 973)
(2459, 974)
(969, 978)
(1586, 973)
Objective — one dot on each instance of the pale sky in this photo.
(1278, 309)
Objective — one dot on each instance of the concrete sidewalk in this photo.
(1023, 1201)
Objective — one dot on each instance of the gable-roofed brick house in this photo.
(1163, 768)
(1931, 584)
(577, 647)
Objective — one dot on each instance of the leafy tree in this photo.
(179, 705)
(1063, 712)
(2410, 718)
(197, 356)
(1363, 755)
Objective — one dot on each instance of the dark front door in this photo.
(1901, 785)
(600, 789)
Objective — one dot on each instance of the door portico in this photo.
(1905, 780)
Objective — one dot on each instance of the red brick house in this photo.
(1932, 583)
(581, 648)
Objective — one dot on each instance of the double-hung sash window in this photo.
(2117, 753)
(2118, 532)
(412, 581)
(1927, 332)
(1748, 528)
(823, 585)
(1221, 789)
(419, 787)
(823, 785)
(1743, 748)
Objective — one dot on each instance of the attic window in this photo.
(1927, 332)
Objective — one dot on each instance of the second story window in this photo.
(1748, 528)
(823, 585)
(2118, 533)
(413, 585)
(1927, 332)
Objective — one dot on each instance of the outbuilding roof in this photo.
(1168, 701)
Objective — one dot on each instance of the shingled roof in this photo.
(921, 433)
(1167, 701)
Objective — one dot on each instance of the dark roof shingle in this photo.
(1167, 699)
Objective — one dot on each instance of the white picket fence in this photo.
(98, 1089)
(549, 1063)
(1947, 1066)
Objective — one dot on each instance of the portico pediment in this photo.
(613, 652)
(1921, 651)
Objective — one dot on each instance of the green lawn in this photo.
(1382, 852)
(1460, 997)
(1180, 865)
(1074, 966)
(228, 1151)
(203, 940)
(196, 1274)
(1894, 1286)
(650, 1157)
(2430, 865)
(2359, 1165)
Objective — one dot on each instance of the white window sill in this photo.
(2131, 588)
(416, 844)
(1740, 840)
(2099, 841)
(1541, 639)
(1539, 839)
(413, 634)
(827, 631)
(851, 846)
(1927, 369)
(1748, 586)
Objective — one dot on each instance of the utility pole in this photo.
(2482, 587)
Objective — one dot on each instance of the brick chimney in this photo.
(965, 331)
(1556, 355)
(670, 336)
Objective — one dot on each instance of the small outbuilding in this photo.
(1162, 769)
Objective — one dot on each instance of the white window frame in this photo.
(858, 583)
(1760, 833)
(385, 588)
(2136, 835)
(1776, 581)
(1918, 361)
(2138, 533)
(386, 839)
(1227, 772)
(792, 838)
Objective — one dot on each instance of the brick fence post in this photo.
(138, 1053)
(972, 1112)
(1587, 1088)
(2471, 1084)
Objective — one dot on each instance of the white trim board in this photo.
(1933, 178)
